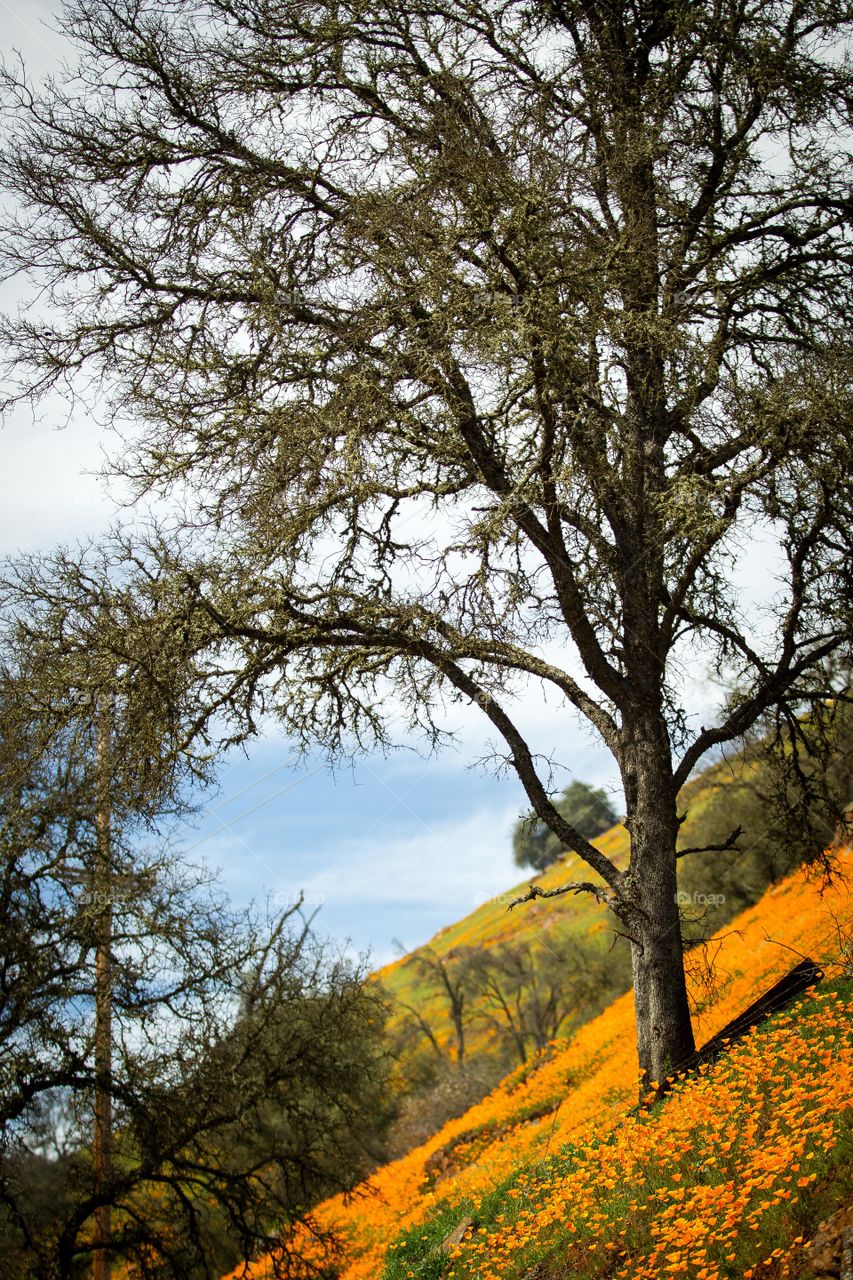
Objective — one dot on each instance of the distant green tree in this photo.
(585, 808)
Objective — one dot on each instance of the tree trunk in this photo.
(664, 1029)
(102, 883)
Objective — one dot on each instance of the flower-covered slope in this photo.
(554, 1163)
(492, 923)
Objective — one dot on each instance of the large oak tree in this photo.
(477, 338)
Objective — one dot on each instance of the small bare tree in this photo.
(529, 993)
(447, 975)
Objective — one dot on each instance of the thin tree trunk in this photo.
(459, 1027)
(102, 1144)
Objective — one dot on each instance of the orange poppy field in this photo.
(557, 1172)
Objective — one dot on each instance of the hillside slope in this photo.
(492, 922)
(537, 922)
(555, 1171)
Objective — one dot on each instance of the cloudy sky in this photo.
(391, 849)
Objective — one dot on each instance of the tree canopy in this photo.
(477, 340)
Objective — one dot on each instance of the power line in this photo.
(254, 809)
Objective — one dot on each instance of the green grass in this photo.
(631, 1207)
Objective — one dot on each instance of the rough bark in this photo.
(649, 909)
(664, 1030)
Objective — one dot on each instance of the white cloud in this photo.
(459, 861)
(50, 487)
(26, 30)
